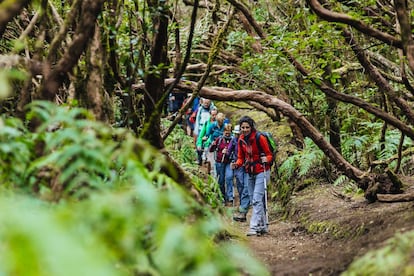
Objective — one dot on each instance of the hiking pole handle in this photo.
(263, 159)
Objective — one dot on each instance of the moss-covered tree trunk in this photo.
(154, 82)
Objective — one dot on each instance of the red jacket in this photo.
(249, 155)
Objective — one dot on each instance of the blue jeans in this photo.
(229, 182)
(242, 190)
(256, 187)
(225, 180)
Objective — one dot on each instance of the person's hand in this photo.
(199, 148)
(205, 138)
(224, 151)
(263, 159)
(233, 166)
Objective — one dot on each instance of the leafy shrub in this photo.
(16, 152)
(392, 259)
(115, 213)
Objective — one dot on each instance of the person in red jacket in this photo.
(257, 168)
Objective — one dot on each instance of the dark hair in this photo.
(250, 121)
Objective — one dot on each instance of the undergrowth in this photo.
(81, 198)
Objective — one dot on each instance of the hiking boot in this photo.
(229, 203)
(253, 233)
(239, 217)
(263, 231)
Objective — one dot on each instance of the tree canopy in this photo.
(336, 70)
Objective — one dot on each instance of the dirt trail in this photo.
(346, 229)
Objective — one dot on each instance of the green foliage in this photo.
(181, 147)
(179, 144)
(365, 143)
(16, 152)
(131, 218)
(302, 162)
(392, 259)
(295, 168)
(210, 190)
(34, 243)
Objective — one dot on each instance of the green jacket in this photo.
(203, 132)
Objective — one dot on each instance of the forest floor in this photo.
(326, 231)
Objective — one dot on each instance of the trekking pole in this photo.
(234, 190)
(265, 195)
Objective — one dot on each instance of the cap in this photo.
(236, 129)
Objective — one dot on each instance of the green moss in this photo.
(334, 229)
(392, 259)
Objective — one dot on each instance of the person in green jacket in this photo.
(202, 144)
(214, 130)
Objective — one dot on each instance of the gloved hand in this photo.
(263, 159)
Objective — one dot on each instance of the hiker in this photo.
(203, 115)
(202, 142)
(175, 101)
(224, 172)
(257, 167)
(244, 200)
(214, 130)
(191, 114)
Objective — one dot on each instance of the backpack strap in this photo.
(259, 146)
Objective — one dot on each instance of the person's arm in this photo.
(240, 154)
(200, 140)
(214, 145)
(209, 128)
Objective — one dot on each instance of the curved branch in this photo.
(352, 99)
(377, 77)
(273, 102)
(245, 10)
(357, 24)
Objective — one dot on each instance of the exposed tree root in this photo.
(395, 197)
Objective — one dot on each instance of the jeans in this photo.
(224, 180)
(256, 187)
(210, 159)
(229, 183)
(242, 190)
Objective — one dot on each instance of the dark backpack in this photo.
(271, 142)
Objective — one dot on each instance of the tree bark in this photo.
(154, 82)
(95, 89)
(402, 10)
(53, 77)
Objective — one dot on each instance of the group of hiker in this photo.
(239, 153)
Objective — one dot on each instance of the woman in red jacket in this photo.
(257, 167)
